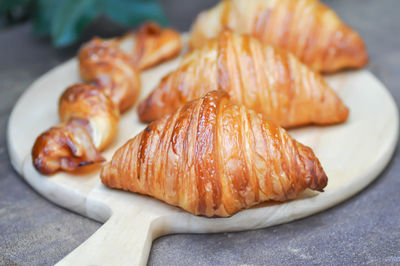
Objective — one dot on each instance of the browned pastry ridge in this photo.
(307, 28)
(151, 45)
(268, 80)
(214, 158)
(89, 112)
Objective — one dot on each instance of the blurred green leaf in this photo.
(65, 20)
(129, 14)
(8, 5)
(70, 19)
(14, 11)
(43, 15)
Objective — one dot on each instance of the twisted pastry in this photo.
(265, 79)
(214, 158)
(89, 103)
(89, 113)
(89, 121)
(109, 67)
(307, 28)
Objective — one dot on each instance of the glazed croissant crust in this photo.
(307, 28)
(89, 112)
(268, 80)
(214, 158)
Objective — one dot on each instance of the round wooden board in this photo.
(352, 154)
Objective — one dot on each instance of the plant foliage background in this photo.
(65, 20)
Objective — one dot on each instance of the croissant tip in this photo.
(362, 55)
(103, 173)
(148, 110)
(342, 114)
(320, 180)
(316, 177)
(346, 113)
(143, 112)
(105, 176)
(352, 51)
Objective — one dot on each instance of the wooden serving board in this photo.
(352, 154)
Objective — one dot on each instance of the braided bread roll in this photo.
(265, 79)
(307, 28)
(89, 113)
(87, 102)
(89, 121)
(214, 158)
(105, 64)
(67, 146)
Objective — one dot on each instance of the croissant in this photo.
(151, 45)
(89, 112)
(307, 28)
(263, 78)
(214, 158)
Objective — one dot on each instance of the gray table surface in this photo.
(363, 230)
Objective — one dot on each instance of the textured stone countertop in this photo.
(363, 230)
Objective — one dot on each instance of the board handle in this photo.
(125, 239)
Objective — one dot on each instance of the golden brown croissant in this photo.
(266, 79)
(151, 45)
(214, 158)
(307, 28)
